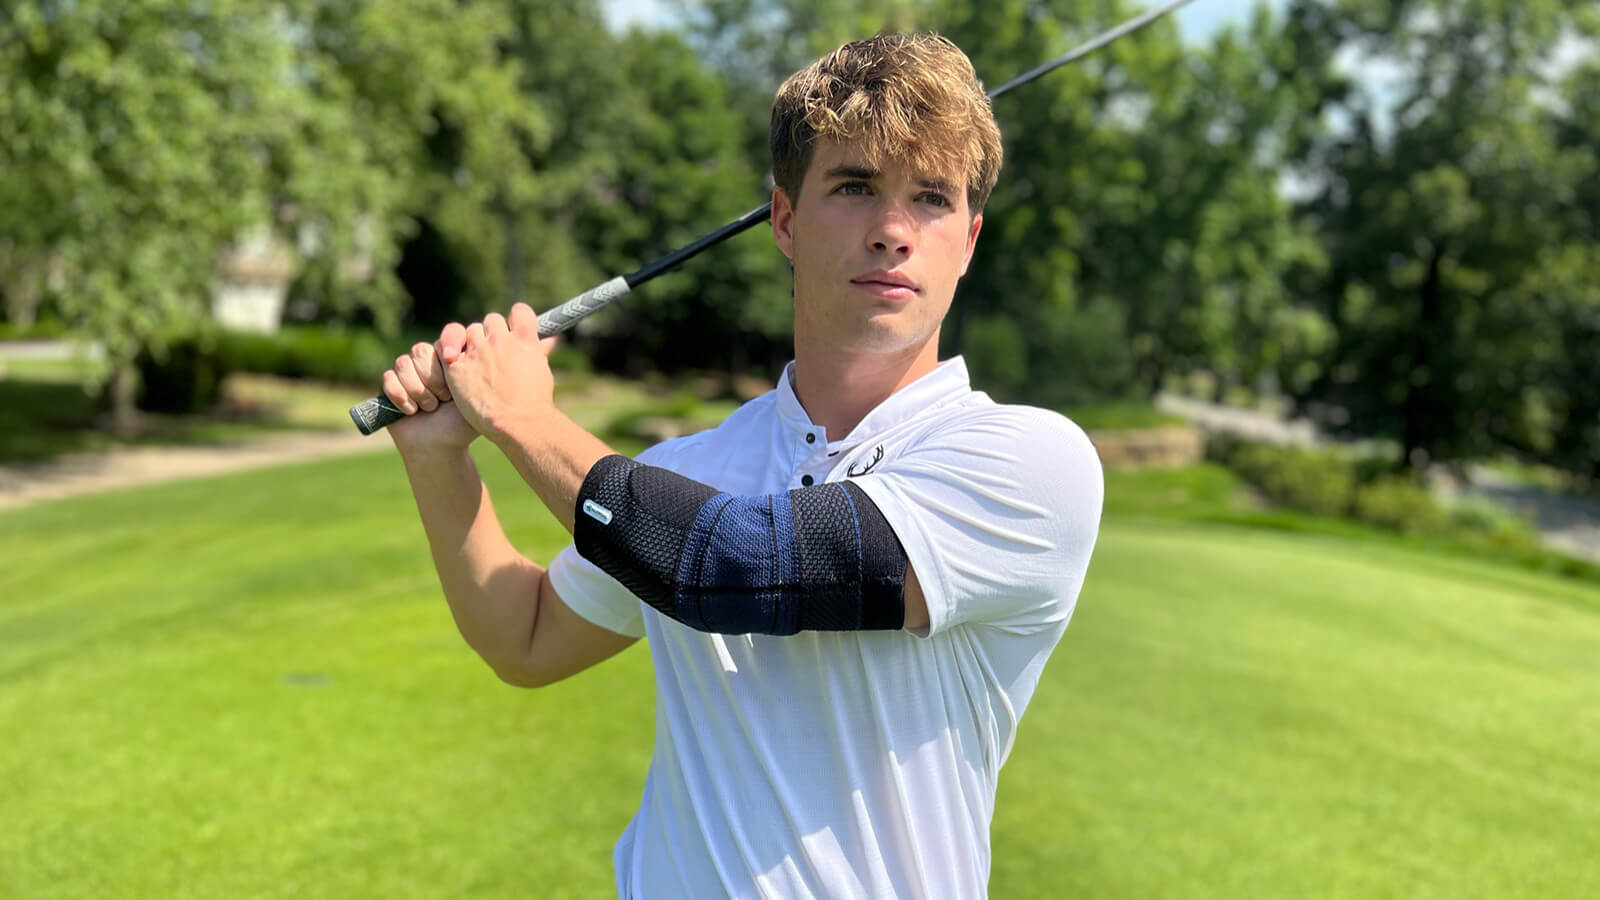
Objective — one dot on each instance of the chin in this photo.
(877, 336)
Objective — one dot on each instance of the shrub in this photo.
(187, 378)
(345, 355)
(1312, 481)
(1478, 516)
(1399, 504)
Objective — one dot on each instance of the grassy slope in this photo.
(248, 687)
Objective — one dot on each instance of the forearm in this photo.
(492, 589)
(553, 454)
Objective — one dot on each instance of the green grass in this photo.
(249, 687)
(1120, 416)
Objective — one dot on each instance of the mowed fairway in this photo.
(249, 687)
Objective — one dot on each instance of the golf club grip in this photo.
(379, 413)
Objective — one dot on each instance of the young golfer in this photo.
(851, 586)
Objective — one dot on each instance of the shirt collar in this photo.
(948, 381)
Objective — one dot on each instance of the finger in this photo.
(494, 324)
(430, 369)
(524, 321)
(474, 335)
(412, 382)
(451, 341)
(397, 393)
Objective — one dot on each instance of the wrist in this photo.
(525, 429)
(433, 454)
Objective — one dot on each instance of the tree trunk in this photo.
(1423, 397)
(21, 286)
(123, 393)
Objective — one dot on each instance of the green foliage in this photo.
(183, 377)
(1120, 416)
(1319, 482)
(143, 140)
(1398, 503)
(1460, 229)
(341, 355)
(1473, 515)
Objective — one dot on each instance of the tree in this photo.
(145, 139)
(1443, 216)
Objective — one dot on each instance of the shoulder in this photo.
(1012, 434)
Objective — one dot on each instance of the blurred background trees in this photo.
(1384, 212)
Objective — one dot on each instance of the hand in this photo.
(500, 375)
(418, 387)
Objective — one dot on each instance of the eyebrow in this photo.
(866, 173)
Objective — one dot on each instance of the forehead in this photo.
(829, 155)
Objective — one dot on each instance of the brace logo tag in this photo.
(597, 512)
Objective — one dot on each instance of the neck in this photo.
(838, 388)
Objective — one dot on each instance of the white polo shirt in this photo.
(859, 764)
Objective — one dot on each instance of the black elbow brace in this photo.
(821, 558)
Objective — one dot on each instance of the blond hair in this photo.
(911, 98)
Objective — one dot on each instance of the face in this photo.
(877, 251)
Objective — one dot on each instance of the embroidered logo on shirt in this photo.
(857, 471)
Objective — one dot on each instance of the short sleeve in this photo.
(588, 590)
(591, 593)
(998, 511)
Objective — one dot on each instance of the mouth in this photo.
(887, 285)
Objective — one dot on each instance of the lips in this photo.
(882, 281)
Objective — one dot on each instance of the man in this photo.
(851, 586)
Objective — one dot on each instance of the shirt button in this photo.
(807, 480)
(811, 438)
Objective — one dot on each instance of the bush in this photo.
(1399, 504)
(1477, 516)
(1311, 481)
(344, 355)
(41, 330)
(187, 378)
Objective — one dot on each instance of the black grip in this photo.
(375, 414)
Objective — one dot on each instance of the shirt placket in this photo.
(811, 453)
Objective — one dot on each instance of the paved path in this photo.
(48, 350)
(87, 473)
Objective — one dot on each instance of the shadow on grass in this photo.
(43, 418)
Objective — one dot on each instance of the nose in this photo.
(893, 231)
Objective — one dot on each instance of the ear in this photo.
(783, 221)
(972, 241)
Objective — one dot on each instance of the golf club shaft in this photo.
(380, 412)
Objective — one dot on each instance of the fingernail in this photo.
(450, 350)
(409, 407)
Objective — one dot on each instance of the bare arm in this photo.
(503, 603)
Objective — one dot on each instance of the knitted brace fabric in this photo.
(820, 558)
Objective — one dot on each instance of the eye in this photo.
(852, 189)
(937, 199)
